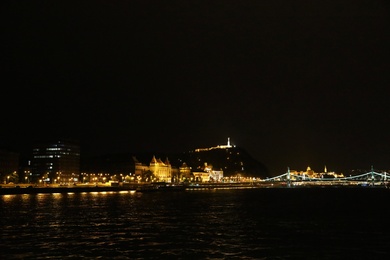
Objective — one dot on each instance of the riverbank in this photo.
(159, 187)
(130, 187)
(70, 189)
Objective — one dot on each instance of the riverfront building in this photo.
(161, 170)
(157, 170)
(56, 162)
(309, 173)
(185, 173)
(208, 174)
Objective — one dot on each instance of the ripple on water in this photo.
(201, 225)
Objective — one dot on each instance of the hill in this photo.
(231, 161)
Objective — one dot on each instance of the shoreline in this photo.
(37, 190)
(169, 188)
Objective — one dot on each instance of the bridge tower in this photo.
(372, 176)
(288, 177)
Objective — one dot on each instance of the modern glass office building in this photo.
(56, 162)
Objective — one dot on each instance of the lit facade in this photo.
(185, 172)
(56, 162)
(208, 174)
(162, 171)
(201, 176)
(309, 173)
(139, 169)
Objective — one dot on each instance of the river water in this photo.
(265, 223)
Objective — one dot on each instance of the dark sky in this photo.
(295, 83)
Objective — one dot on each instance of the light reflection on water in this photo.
(225, 224)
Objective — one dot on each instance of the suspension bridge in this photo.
(371, 178)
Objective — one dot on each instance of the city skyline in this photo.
(25, 156)
(295, 84)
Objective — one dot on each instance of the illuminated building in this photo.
(208, 174)
(185, 172)
(162, 171)
(201, 176)
(56, 162)
(140, 169)
(309, 173)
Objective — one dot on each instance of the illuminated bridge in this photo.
(370, 178)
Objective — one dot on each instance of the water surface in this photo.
(264, 223)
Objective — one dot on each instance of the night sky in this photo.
(295, 83)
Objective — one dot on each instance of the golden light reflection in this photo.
(40, 195)
(26, 196)
(8, 198)
(128, 191)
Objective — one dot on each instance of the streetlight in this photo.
(8, 179)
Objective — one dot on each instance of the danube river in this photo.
(265, 223)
